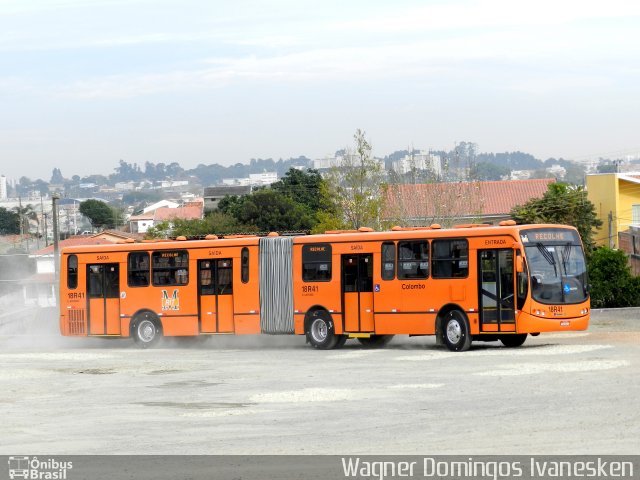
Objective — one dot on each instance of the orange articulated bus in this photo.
(472, 282)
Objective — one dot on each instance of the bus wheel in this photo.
(513, 341)
(375, 341)
(320, 332)
(146, 330)
(455, 331)
(342, 339)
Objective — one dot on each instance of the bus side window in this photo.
(522, 285)
(224, 284)
(413, 260)
(450, 258)
(244, 265)
(388, 257)
(72, 272)
(138, 269)
(316, 263)
(170, 268)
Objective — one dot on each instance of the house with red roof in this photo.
(459, 202)
(39, 289)
(143, 222)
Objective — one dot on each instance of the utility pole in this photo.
(56, 246)
(610, 221)
(46, 231)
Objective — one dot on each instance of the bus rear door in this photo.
(357, 292)
(103, 293)
(215, 294)
(496, 290)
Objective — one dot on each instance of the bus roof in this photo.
(462, 231)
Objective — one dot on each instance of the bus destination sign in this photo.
(549, 235)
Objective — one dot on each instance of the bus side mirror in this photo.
(519, 264)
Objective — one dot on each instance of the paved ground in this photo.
(558, 394)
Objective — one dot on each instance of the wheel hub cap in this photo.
(147, 331)
(454, 332)
(319, 330)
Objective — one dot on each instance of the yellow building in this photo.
(616, 197)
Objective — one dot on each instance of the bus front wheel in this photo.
(320, 331)
(455, 331)
(146, 329)
(512, 341)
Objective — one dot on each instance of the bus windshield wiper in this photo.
(566, 253)
(548, 256)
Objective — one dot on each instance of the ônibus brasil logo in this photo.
(35, 469)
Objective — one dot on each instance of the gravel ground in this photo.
(569, 393)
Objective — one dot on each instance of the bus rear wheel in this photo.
(146, 329)
(512, 341)
(320, 332)
(375, 341)
(455, 331)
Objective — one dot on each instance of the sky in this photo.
(85, 83)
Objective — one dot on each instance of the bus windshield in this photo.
(558, 272)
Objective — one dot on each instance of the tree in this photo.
(562, 204)
(303, 187)
(484, 171)
(357, 186)
(216, 223)
(100, 214)
(26, 214)
(9, 222)
(612, 284)
(56, 177)
(310, 190)
(268, 210)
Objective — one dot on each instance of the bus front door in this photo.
(497, 307)
(357, 292)
(103, 293)
(215, 294)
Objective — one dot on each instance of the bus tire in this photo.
(320, 331)
(513, 341)
(146, 329)
(342, 339)
(455, 331)
(375, 341)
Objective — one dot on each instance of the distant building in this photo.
(125, 186)
(418, 161)
(629, 242)
(261, 179)
(329, 162)
(616, 197)
(521, 174)
(326, 163)
(173, 183)
(143, 222)
(557, 171)
(160, 204)
(236, 182)
(3, 188)
(213, 195)
(254, 179)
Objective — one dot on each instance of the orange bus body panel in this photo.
(382, 306)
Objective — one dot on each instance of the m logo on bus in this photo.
(170, 302)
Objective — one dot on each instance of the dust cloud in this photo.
(32, 328)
